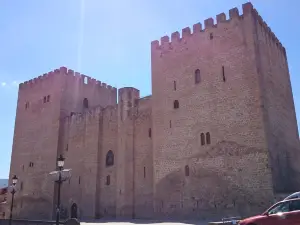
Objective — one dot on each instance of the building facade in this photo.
(218, 135)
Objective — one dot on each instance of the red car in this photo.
(286, 212)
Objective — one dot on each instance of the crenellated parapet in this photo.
(71, 76)
(268, 32)
(167, 43)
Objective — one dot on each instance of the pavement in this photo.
(135, 222)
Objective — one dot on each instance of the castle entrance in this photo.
(74, 210)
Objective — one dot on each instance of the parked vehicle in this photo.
(294, 195)
(286, 212)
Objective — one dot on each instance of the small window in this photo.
(21, 186)
(211, 36)
(45, 99)
(197, 76)
(79, 180)
(26, 105)
(48, 98)
(170, 123)
(207, 138)
(108, 180)
(144, 172)
(187, 170)
(174, 85)
(149, 133)
(109, 158)
(31, 164)
(85, 80)
(202, 137)
(85, 103)
(72, 113)
(223, 73)
(176, 104)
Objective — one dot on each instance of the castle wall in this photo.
(82, 157)
(227, 107)
(126, 153)
(35, 144)
(278, 105)
(143, 192)
(109, 140)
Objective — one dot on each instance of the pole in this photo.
(12, 204)
(58, 199)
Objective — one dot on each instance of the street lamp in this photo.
(12, 191)
(59, 177)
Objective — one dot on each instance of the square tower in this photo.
(40, 134)
(223, 113)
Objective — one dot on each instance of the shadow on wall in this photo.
(224, 181)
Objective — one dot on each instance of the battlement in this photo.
(71, 74)
(167, 43)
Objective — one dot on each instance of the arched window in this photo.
(187, 170)
(202, 137)
(85, 103)
(149, 133)
(176, 104)
(208, 138)
(109, 158)
(197, 76)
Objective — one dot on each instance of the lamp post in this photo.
(13, 191)
(60, 176)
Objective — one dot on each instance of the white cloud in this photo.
(3, 84)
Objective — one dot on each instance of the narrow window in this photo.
(45, 99)
(170, 123)
(31, 164)
(109, 158)
(202, 139)
(197, 76)
(211, 36)
(149, 133)
(176, 104)
(21, 186)
(26, 105)
(144, 172)
(85, 80)
(174, 85)
(208, 138)
(79, 180)
(108, 180)
(223, 73)
(48, 98)
(85, 103)
(187, 170)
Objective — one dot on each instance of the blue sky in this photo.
(109, 40)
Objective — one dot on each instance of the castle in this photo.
(218, 135)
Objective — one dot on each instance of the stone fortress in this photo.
(218, 135)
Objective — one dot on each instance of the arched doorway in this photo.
(74, 210)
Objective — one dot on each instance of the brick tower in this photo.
(224, 124)
(40, 134)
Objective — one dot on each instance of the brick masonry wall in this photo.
(108, 192)
(143, 192)
(229, 110)
(279, 109)
(35, 141)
